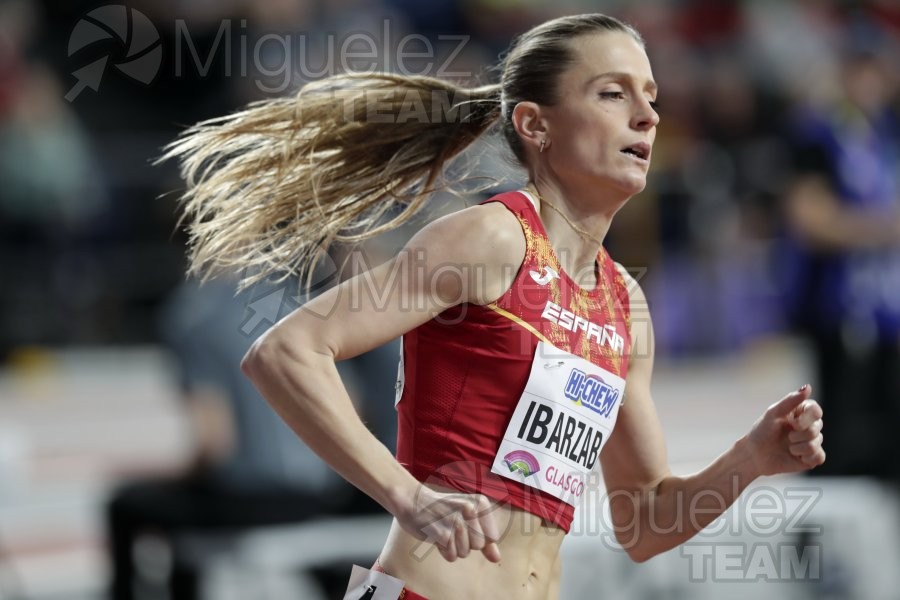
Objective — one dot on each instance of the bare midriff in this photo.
(529, 570)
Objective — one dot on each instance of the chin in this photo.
(632, 187)
(619, 183)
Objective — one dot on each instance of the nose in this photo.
(645, 116)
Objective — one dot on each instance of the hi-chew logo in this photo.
(137, 52)
(523, 462)
(591, 391)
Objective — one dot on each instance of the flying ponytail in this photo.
(270, 187)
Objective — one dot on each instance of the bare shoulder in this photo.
(480, 242)
(477, 232)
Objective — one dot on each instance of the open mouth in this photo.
(641, 151)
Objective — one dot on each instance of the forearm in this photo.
(305, 389)
(675, 509)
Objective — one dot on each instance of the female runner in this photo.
(527, 351)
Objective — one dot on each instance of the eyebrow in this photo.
(650, 85)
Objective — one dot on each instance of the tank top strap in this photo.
(518, 201)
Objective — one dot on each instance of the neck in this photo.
(577, 234)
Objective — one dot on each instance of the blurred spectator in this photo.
(843, 209)
(249, 468)
(52, 204)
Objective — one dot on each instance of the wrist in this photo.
(400, 497)
(748, 460)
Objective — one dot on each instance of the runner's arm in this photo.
(293, 364)
(653, 510)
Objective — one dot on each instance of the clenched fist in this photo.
(788, 436)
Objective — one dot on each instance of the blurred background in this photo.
(137, 462)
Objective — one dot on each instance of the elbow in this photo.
(250, 362)
(638, 541)
(273, 355)
(627, 526)
(635, 514)
(261, 356)
(636, 549)
(640, 553)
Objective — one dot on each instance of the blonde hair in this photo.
(270, 187)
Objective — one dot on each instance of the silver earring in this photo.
(544, 141)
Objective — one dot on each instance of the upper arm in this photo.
(635, 457)
(458, 258)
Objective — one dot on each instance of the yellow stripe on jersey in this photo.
(519, 321)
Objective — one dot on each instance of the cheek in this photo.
(577, 120)
(592, 134)
(582, 150)
(583, 138)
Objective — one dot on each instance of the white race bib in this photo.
(564, 417)
(366, 584)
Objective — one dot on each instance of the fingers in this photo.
(802, 449)
(486, 518)
(788, 438)
(806, 434)
(448, 549)
(806, 444)
(815, 459)
(482, 528)
(806, 438)
(452, 540)
(492, 552)
(468, 526)
(789, 403)
(487, 525)
(475, 524)
(805, 415)
(461, 536)
(812, 456)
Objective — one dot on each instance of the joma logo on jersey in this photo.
(604, 336)
(591, 391)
